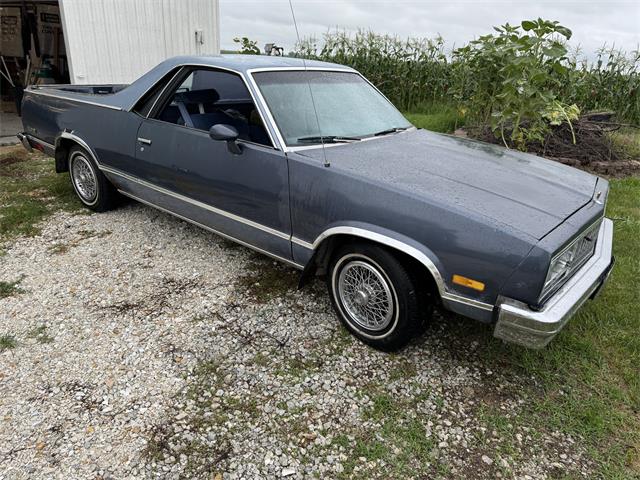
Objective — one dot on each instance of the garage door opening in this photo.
(33, 49)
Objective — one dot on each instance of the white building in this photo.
(102, 41)
(116, 41)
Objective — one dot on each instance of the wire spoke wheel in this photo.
(84, 178)
(366, 295)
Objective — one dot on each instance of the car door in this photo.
(181, 169)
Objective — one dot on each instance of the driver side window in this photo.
(209, 97)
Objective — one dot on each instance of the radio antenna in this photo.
(313, 102)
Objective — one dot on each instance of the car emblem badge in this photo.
(597, 199)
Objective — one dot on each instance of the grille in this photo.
(586, 247)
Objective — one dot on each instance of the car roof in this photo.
(243, 63)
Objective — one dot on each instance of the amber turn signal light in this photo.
(468, 282)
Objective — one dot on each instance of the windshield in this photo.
(349, 108)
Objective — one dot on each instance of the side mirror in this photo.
(226, 133)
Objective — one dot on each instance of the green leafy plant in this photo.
(247, 46)
(509, 80)
(557, 113)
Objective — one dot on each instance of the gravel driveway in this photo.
(146, 348)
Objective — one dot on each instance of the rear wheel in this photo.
(91, 186)
(374, 295)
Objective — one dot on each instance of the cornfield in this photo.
(611, 82)
(409, 72)
(416, 71)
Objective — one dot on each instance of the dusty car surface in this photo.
(310, 164)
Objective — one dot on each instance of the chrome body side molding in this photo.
(24, 140)
(191, 201)
(27, 141)
(224, 235)
(448, 298)
(198, 203)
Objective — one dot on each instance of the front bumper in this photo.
(517, 323)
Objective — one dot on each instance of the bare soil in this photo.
(595, 149)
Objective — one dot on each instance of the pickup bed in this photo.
(50, 110)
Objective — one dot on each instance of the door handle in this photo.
(146, 141)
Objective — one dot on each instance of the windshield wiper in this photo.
(390, 130)
(328, 139)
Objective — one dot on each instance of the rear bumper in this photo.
(32, 143)
(517, 323)
(25, 141)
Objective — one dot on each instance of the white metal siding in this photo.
(116, 41)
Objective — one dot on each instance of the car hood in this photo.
(526, 192)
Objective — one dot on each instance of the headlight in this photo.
(560, 267)
(565, 263)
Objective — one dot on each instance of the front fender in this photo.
(397, 241)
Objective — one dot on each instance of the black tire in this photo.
(391, 330)
(91, 186)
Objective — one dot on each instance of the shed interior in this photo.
(32, 48)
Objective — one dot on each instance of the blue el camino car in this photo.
(310, 164)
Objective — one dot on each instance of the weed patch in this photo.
(266, 280)
(7, 289)
(7, 342)
(60, 248)
(40, 334)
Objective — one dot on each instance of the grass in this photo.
(266, 280)
(403, 368)
(30, 191)
(438, 117)
(61, 248)
(590, 374)
(401, 440)
(627, 141)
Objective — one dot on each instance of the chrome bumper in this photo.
(25, 141)
(517, 323)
